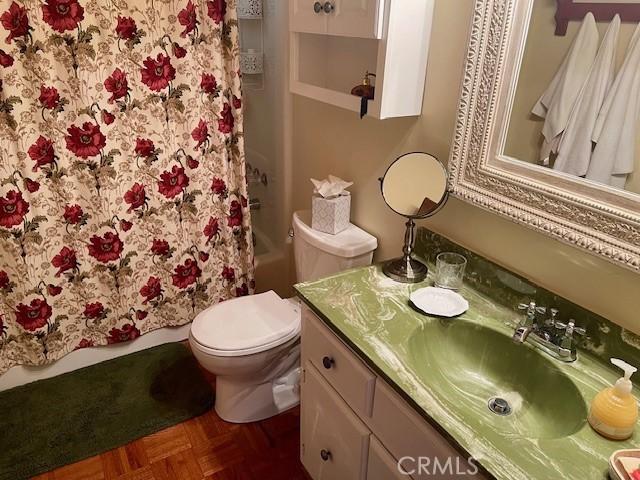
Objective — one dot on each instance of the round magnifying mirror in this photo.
(414, 186)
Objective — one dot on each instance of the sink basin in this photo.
(467, 365)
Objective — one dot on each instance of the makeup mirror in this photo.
(414, 186)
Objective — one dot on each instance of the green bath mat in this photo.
(54, 422)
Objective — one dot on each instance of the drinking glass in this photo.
(450, 269)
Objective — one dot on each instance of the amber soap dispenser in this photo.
(614, 411)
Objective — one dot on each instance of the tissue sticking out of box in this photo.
(330, 187)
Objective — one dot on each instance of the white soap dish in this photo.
(616, 471)
(439, 301)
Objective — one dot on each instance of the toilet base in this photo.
(238, 402)
(264, 394)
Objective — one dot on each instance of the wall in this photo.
(331, 140)
(543, 55)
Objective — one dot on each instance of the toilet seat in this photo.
(246, 325)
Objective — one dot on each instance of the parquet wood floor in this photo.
(203, 448)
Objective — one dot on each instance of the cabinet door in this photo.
(334, 442)
(304, 18)
(357, 18)
(381, 465)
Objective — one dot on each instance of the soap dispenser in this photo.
(614, 411)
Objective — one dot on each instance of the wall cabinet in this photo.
(351, 18)
(342, 438)
(333, 43)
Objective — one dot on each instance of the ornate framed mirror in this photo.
(507, 154)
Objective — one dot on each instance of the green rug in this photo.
(54, 422)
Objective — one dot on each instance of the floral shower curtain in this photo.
(123, 201)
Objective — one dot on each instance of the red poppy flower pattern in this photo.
(106, 248)
(188, 19)
(49, 97)
(15, 21)
(6, 60)
(152, 289)
(144, 147)
(72, 214)
(33, 316)
(226, 120)
(173, 183)
(160, 247)
(126, 28)
(117, 85)
(64, 261)
(124, 334)
(13, 209)
(208, 83)
(135, 197)
(123, 207)
(62, 15)
(41, 152)
(157, 73)
(217, 9)
(85, 141)
(186, 274)
(93, 310)
(201, 133)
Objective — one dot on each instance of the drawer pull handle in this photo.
(325, 454)
(317, 7)
(328, 362)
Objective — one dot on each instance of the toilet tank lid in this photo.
(349, 243)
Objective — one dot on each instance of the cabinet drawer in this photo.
(409, 438)
(334, 442)
(339, 365)
(381, 465)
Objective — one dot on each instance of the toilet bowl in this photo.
(252, 344)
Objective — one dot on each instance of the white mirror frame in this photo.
(596, 218)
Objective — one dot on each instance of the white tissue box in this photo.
(330, 215)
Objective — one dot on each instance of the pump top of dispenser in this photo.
(623, 384)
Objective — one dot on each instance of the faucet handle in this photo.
(527, 306)
(570, 328)
(532, 309)
(567, 342)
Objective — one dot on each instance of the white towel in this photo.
(574, 151)
(557, 101)
(616, 127)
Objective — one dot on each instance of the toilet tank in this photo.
(319, 254)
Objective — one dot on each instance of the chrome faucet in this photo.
(551, 336)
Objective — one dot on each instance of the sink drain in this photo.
(499, 406)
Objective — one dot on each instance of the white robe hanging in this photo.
(574, 151)
(615, 131)
(557, 101)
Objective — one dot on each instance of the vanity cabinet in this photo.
(354, 426)
(350, 18)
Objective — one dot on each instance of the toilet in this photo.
(252, 344)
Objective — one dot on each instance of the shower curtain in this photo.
(123, 199)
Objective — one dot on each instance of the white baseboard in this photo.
(20, 375)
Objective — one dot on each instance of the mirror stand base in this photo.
(405, 270)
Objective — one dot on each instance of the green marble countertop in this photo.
(372, 314)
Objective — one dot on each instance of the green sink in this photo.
(469, 366)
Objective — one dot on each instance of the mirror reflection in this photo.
(577, 100)
(415, 185)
